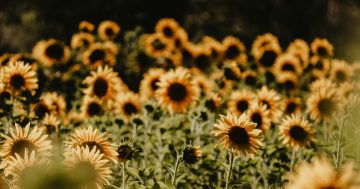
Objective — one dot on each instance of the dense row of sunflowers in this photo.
(278, 117)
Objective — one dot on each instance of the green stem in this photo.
(228, 176)
(123, 175)
(293, 155)
(177, 164)
(338, 149)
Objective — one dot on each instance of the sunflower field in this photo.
(116, 109)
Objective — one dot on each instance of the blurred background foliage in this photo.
(22, 22)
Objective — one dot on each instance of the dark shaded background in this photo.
(23, 22)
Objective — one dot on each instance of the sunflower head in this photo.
(191, 154)
(19, 77)
(98, 54)
(249, 77)
(340, 71)
(322, 104)
(127, 105)
(167, 28)
(125, 152)
(238, 134)
(234, 49)
(322, 47)
(259, 114)
(93, 107)
(240, 101)
(50, 52)
(108, 30)
(292, 105)
(86, 26)
(50, 124)
(81, 40)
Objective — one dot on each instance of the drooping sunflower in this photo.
(89, 166)
(321, 64)
(103, 83)
(291, 105)
(97, 54)
(340, 71)
(81, 40)
(177, 91)
(234, 49)
(50, 124)
(108, 30)
(191, 154)
(167, 28)
(92, 106)
(264, 41)
(321, 104)
(240, 101)
(86, 26)
(22, 139)
(91, 138)
(128, 104)
(249, 77)
(238, 134)
(148, 84)
(259, 114)
(295, 131)
(19, 77)
(20, 168)
(288, 81)
(155, 46)
(125, 151)
(320, 174)
(271, 99)
(50, 52)
(287, 63)
(322, 47)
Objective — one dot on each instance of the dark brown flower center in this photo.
(289, 85)
(19, 147)
(100, 87)
(327, 107)
(190, 155)
(109, 32)
(92, 144)
(242, 105)
(41, 109)
(130, 108)
(322, 51)
(298, 133)
(94, 109)
(50, 129)
(85, 171)
(319, 65)
(268, 58)
(153, 84)
(210, 104)
(96, 55)
(257, 118)
(267, 103)
(158, 45)
(55, 51)
(250, 80)
(340, 76)
(168, 32)
(232, 52)
(125, 153)
(288, 67)
(202, 62)
(290, 108)
(17, 81)
(239, 136)
(177, 92)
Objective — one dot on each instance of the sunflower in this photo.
(90, 167)
(321, 104)
(205, 84)
(231, 70)
(5, 59)
(321, 64)
(103, 83)
(21, 168)
(50, 124)
(188, 51)
(92, 106)
(128, 104)
(155, 46)
(55, 102)
(40, 109)
(108, 30)
(238, 134)
(191, 154)
(213, 102)
(180, 38)
(202, 58)
(315, 75)
(234, 49)
(125, 151)
(320, 174)
(215, 47)
(148, 84)
(259, 114)
(240, 101)
(19, 77)
(249, 77)
(50, 52)
(287, 63)
(86, 26)
(348, 88)
(288, 81)
(291, 105)
(271, 99)
(91, 138)
(266, 57)
(262, 42)
(111, 46)
(322, 47)
(97, 54)
(300, 49)
(21, 139)
(81, 40)
(295, 131)
(167, 28)
(322, 83)
(340, 71)
(177, 92)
